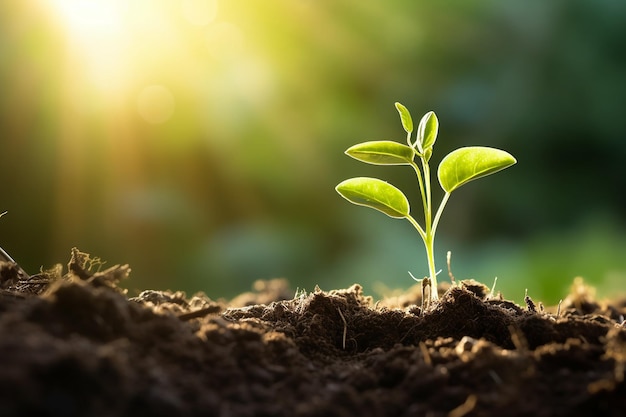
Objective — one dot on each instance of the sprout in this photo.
(458, 168)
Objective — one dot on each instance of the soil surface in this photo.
(75, 344)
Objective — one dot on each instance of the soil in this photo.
(77, 345)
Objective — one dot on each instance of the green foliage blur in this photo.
(200, 140)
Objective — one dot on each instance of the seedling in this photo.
(456, 169)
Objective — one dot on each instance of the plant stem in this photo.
(429, 241)
(428, 233)
(421, 185)
(417, 227)
(428, 205)
(444, 200)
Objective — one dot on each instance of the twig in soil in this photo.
(465, 408)
(448, 259)
(300, 296)
(427, 359)
(4, 257)
(199, 313)
(426, 290)
(493, 289)
(529, 303)
(300, 293)
(558, 309)
(518, 338)
(345, 328)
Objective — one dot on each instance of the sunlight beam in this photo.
(91, 17)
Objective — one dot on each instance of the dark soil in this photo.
(76, 345)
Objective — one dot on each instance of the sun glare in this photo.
(107, 44)
(91, 17)
(95, 32)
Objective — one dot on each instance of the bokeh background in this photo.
(200, 140)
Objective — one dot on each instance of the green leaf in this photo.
(427, 131)
(405, 116)
(427, 154)
(467, 164)
(382, 152)
(376, 194)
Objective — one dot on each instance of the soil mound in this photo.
(76, 345)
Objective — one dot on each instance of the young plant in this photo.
(456, 169)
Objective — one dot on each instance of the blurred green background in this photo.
(200, 140)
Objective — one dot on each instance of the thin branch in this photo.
(345, 328)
